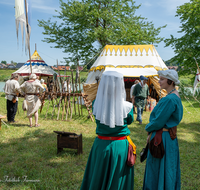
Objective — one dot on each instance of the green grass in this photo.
(32, 152)
(5, 74)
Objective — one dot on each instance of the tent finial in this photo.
(35, 47)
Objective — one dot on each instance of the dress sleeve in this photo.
(22, 88)
(17, 87)
(41, 88)
(162, 114)
(130, 117)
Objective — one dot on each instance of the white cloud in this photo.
(171, 5)
(45, 6)
(147, 4)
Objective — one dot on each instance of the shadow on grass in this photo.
(18, 125)
(35, 155)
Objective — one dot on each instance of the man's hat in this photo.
(143, 78)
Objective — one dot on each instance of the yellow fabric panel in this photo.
(126, 47)
(157, 87)
(90, 90)
(131, 142)
(36, 56)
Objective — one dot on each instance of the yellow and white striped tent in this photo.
(130, 60)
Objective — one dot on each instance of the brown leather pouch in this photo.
(172, 132)
(156, 145)
(14, 99)
(131, 157)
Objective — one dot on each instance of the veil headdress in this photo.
(109, 106)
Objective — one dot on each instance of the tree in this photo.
(88, 25)
(4, 62)
(187, 47)
(14, 63)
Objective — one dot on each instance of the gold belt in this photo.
(164, 129)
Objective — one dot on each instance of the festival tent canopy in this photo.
(39, 67)
(130, 60)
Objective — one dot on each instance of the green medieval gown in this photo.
(164, 174)
(106, 167)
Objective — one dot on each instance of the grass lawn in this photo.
(32, 152)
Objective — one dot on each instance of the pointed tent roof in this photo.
(39, 67)
(130, 60)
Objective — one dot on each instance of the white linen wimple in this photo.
(110, 107)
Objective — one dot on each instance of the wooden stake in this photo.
(60, 92)
(73, 95)
(68, 105)
(77, 100)
(80, 92)
(65, 95)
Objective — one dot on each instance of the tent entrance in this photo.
(154, 88)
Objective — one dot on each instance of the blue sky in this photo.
(160, 12)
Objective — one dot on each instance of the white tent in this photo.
(130, 60)
(39, 67)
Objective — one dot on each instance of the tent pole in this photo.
(28, 36)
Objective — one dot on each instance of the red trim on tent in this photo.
(32, 61)
(38, 74)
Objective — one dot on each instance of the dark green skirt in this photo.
(106, 167)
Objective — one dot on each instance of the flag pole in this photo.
(197, 64)
(27, 29)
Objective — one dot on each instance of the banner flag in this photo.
(20, 18)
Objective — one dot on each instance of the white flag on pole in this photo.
(20, 18)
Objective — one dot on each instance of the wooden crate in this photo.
(2, 117)
(69, 140)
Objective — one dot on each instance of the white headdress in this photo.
(170, 74)
(110, 107)
(32, 76)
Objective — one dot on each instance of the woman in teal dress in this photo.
(164, 173)
(106, 167)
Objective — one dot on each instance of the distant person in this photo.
(30, 89)
(11, 90)
(140, 96)
(163, 170)
(107, 167)
(67, 88)
(131, 93)
(44, 85)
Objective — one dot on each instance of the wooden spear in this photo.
(60, 94)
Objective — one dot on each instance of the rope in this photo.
(4, 123)
(93, 58)
(188, 100)
(46, 55)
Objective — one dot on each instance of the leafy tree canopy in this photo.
(4, 62)
(187, 47)
(86, 26)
